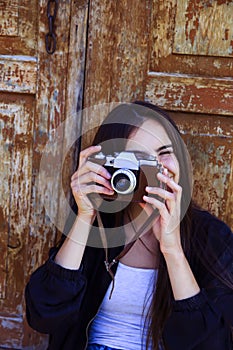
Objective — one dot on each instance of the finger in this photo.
(169, 197)
(87, 152)
(160, 192)
(157, 204)
(93, 188)
(170, 183)
(92, 177)
(96, 168)
(91, 167)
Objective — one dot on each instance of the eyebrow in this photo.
(163, 147)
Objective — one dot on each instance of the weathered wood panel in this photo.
(16, 146)
(23, 55)
(18, 85)
(118, 42)
(6, 135)
(18, 74)
(191, 93)
(164, 17)
(204, 28)
(185, 76)
(50, 112)
(210, 143)
(9, 14)
(18, 27)
(11, 331)
(74, 101)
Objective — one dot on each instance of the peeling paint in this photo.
(8, 324)
(9, 13)
(189, 93)
(18, 76)
(204, 28)
(217, 64)
(171, 52)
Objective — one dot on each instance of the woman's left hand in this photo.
(166, 227)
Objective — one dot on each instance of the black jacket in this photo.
(62, 302)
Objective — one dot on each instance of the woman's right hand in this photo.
(89, 178)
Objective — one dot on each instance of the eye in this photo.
(165, 152)
(162, 153)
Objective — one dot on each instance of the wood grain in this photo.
(18, 74)
(204, 29)
(209, 139)
(167, 24)
(116, 54)
(189, 93)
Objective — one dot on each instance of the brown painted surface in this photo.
(207, 30)
(210, 143)
(167, 23)
(49, 114)
(74, 100)
(32, 104)
(117, 54)
(190, 71)
(18, 79)
(9, 14)
(188, 93)
(18, 74)
(16, 147)
(18, 27)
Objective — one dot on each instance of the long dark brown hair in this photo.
(121, 122)
(117, 127)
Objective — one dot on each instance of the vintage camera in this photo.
(131, 173)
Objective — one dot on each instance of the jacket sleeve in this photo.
(201, 321)
(53, 296)
(205, 320)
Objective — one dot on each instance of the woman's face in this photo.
(152, 139)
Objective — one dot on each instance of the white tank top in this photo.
(120, 321)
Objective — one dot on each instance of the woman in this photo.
(165, 277)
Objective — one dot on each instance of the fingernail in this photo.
(148, 188)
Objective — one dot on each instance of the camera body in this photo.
(131, 173)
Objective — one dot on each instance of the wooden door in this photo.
(190, 73)
(18, 85)
(179, 55)
(37, 91)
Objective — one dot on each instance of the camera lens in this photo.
(123, 181)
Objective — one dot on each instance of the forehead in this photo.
(151, 135)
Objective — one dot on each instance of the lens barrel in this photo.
(123, 181)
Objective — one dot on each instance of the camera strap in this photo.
(127, 247)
